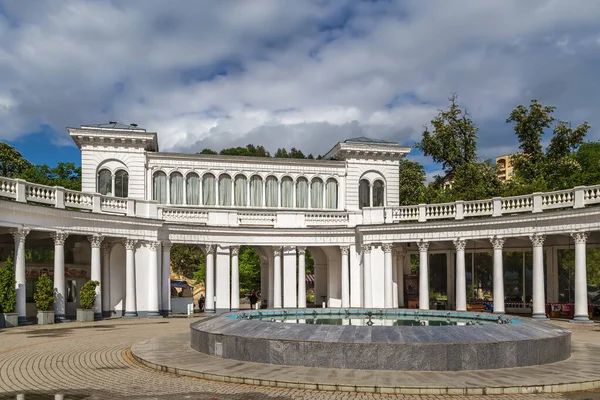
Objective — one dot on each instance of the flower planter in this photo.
(85, 315)
(9, 320)
(45, 317)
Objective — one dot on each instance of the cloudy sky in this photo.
(289, 73)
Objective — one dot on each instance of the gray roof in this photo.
(363, 139)
(114, 125)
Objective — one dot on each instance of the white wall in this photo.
(117, 278)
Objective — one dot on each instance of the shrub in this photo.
(8, 293)
(87, 294)
(44, 293)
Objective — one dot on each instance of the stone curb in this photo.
(532, 389)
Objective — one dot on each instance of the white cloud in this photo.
(302, 74)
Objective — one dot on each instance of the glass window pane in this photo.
(302, 193)
(121, 184)
(209, 189)
(241, 190)
(363, 194)
(159, 187)
(378, 194)
(512, 263)
(176, 188)
(105, 182)
(225, 190)
(331, 194)
(438, 281)
(256, 191)
(192, 189)
(483, 276)
(287, 192)
(272, 192)
(316, 193)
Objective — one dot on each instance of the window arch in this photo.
(192, 189)
(378, 193)
(364, 197)
(287, 192)
(331, 194)
(272, 192)
(224, 190)
(105, 182)
(302, 192)
(159, 187)
(240, 195)
(256, 191)
(121, 183)
(316, 193)
(209, 190)
(176, 184)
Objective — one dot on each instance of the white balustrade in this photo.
(478, 208)
(560, 199)
(405, 213)
(184, 215)
(8, 188)
(326, 218)
(257, 218)
(440, 211)
(113, 204)
(76, 199)
(517, 204)
(40, 193)
(591, 194)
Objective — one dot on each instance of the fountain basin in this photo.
(254, 337)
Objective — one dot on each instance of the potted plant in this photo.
(87, 298)
(44, 300)
(8, 295)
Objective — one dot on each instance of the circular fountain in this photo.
(386, 339)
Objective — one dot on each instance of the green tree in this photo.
(249, 269)
(208, 151)
(453, 142)
(475, 181)
(188, 260)
(87, 294)
(295, 153)
(65, 174)
(588, 157)
(12, 163)
(281, 153)
(412, 182)
(8, 294)
(44, 293)
(558, 164)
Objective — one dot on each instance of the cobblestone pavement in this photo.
(93, 361)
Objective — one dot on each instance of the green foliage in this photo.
(566, 259)
(44, 293)
(249, 268)
(588, 157)
(188, 260)
(208, 151)
(8, 293)
(412, 183)
(454, 139)
(12, 163)
(474, 181)
(558, 165)
(64, 174)
(87, 294)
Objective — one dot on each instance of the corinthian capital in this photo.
(19, 234)
(387, 247)
(366, 247)
(130, 244)
(580, 237)
(96, 240)
(152, 245)
(235, 250)
(497, 242)
(423, 245)
(537, 240)
(344, 250)
(59, 237)
(460, 244)
(301, 250)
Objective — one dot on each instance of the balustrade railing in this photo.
(26, 192)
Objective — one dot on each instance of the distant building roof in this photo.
(363, 139)
(114, 125)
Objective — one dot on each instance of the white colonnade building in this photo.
(368, 251)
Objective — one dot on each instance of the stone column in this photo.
(59, 275)
(153, 305)
(581, 295)
(423, 275)
(19, 235)
(400, 256)
(345, 277)
(461, 278)
(498, 244)
(106, 308)
(166, 278)
(130, 293)
(96, 272)
(277, 277)
(367, 285)
(394, 277)
(388, 293)
(235, 279)
(301, 277)
(539, 305)
(209, 282)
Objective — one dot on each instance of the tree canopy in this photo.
(252, 150)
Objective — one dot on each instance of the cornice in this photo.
(115, 137)
(215, 159)
(344, 150)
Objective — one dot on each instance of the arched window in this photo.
(209, 190)
(272, 192)
(225, 190)
(159, 187)
(316, 193)
(331, 193)
(192, 189)
(256, 191)
(121, 183)
(364, 197)
(378, 193)
(241, 190)
(105, 182)
(287, 192)
(176, 184)
(302, 193)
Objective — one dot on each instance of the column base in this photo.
(581, 319)
(23, 321)
(60, 318)
(130, 314)
(154, 314)
(539, 316)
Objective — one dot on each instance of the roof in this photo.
(114, 125)
(364, 139)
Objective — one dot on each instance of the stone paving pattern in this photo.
(93, 361)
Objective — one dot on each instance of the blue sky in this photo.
(302, 74)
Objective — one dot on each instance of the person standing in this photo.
(201, 302)
(253, 300)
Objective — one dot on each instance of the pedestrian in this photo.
(201, 302)
(253, 300)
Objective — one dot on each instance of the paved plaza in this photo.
(94, 361)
